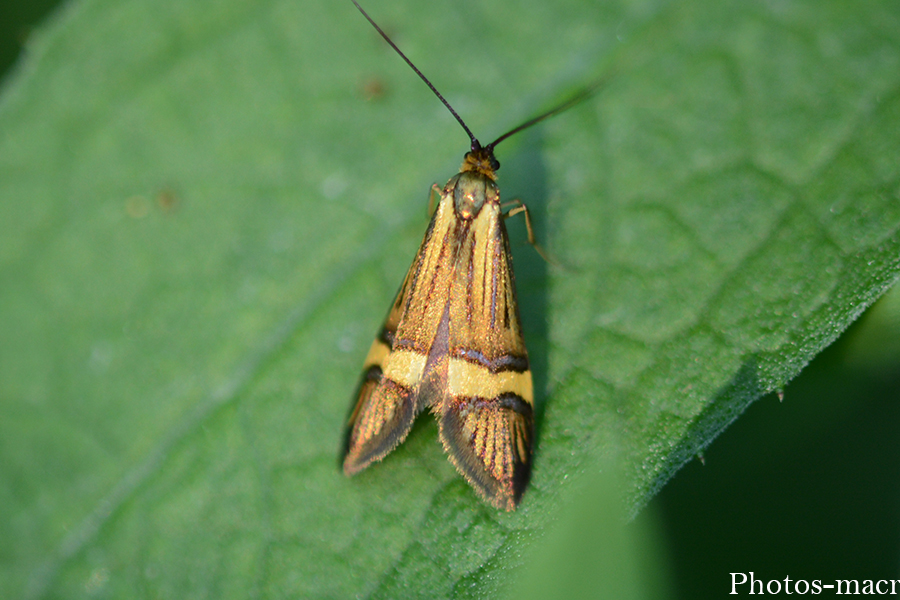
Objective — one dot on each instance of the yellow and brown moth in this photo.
(452, 341)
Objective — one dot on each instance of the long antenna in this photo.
(476, 145)
(566, 105)
(418, 72)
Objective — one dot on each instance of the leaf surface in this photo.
(206, 210)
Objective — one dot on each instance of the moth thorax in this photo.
(471, 191)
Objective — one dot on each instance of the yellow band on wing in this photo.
(405, 367)
(470, 380)
(377, 354)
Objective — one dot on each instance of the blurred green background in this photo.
(16, 21)
(806, 487)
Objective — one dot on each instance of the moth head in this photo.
(481, 160)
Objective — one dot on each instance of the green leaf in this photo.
(207, 208)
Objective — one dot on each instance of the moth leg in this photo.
(520, 207)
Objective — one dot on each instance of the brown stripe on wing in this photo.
(508, 362)
(490, 443)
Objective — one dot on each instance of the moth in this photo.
(452, 340)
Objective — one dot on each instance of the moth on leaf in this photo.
(452, 341)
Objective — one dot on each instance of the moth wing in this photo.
(387, 401)
(486, 421)
(490, 443)
(381, 418)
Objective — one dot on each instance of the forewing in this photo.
(486, 420)
(387, 401)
